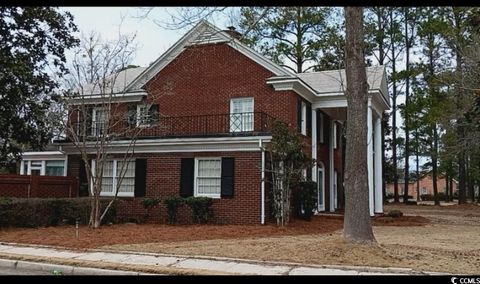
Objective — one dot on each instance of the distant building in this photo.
(425, 185)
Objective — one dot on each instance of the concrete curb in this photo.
(63, 269)
(347, 269)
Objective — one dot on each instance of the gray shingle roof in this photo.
(121, 80)
(333, 81)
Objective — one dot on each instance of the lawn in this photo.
(428, 238)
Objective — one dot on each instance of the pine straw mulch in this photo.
(64, 236)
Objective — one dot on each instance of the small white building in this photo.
(48, 163)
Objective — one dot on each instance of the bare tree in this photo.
(95, 74)
(357, 227)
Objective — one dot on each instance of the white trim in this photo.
(370, 158)
(262, 185)
(22, 167)
(335, 133)
(321, 135)
(114, 98)
(321, 168)
(303, 125)
(332, 166)
(314, 143)
(378, 166)
(195, 182)
(44, 164)
(220, 144)
(65, 170)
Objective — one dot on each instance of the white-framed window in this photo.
(208, 177)
(55, 168)
(424, 190)
(303, 126)
(43, 167)
(334, 135)
(320, 127)
(99, 121)
(241, 115)
(143, 115)
(112, 171)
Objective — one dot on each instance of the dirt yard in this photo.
(427, 238)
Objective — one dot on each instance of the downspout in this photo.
(262, 218)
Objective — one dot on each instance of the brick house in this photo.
(216, 99)
(424, 186)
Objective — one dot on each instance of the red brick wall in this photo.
(425, 182)
(163, 180)
(202, 80)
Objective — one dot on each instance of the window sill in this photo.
(208, 195)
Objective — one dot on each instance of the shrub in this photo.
(305, 199)
(41, 212)
(173, 203)
(201, 211)
(395, 213)
(389, 195)
(149, 203)
(426, 197)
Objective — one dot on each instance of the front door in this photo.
(321, 189)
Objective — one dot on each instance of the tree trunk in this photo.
(394, 121)
(434, 164)
(462, 198)
(418, 173)
(357, 227)
(407, 99)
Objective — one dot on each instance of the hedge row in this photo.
(42, 212)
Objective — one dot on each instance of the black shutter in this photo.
(140, 177)
(153, 114)
(299, 115)
(187, 168)
(88, 120)
(228, 169)
(309, 119)
(132, 115)
(82, 179)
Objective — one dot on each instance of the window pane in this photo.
(54, 168)
(209, 177)
(107, 180)
(127, 184)
(241, 116)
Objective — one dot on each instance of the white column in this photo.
(370, 157)
(42, 170)
(331, 167)
(262, 198)
(378, 165)
(314, 143)
(22, 168)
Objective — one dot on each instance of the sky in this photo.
(152, 39)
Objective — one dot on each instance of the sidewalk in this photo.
(67, 261)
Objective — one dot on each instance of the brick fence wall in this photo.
(25, 186)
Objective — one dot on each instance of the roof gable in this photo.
(204, 33)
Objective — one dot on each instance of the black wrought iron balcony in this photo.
(238, 124)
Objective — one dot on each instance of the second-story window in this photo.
(99, 121)
(241, 115)
(146, 114)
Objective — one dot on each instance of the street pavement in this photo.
(137, 262)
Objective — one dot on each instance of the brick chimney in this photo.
(233, 32)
